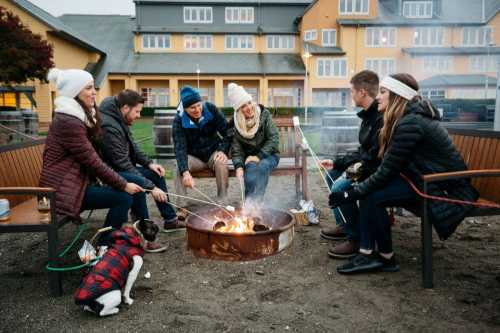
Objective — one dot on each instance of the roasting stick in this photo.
(320, 167)
(192, 213)
(214, 202)
(194, 199)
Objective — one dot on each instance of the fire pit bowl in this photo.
(273, 231)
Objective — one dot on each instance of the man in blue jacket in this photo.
(201, 141)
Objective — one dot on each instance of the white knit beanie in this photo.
(237, 96)
(69, 82)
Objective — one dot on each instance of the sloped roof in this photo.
(113, 33)
(462, 12)
(450, 50)
(59, 27)
(281, 2)
(316, 49)
(458, 80)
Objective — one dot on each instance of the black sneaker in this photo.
(389, 265)
(361, 263)
(175, 225)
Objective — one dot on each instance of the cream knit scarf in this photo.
(248, 127)
(71, 107)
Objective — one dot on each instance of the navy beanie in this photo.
(189, 96)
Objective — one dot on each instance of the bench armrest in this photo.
(436, 177)
(26, 190)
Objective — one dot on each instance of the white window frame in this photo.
(165, 38)
(332, 64)
(431, 93)
(428, 36)
(188, 41)
(417, 7)
(281, 42)
(241, 41)
(333, 42)
(478, 63)
(348, 7)
(434, 64)
(231, 12)
(335, 97)
(153, 94)
(467, 33)
(311, 34)
(190, 11)
(377, 65)
(380, 32)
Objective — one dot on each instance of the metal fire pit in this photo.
(207, 243)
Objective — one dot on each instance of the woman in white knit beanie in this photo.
(70, 163)
(255, 148)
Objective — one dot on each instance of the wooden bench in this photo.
(20, 168)
(293, 157)
(481, 152)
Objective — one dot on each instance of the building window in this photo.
(354, 7)
(481, 64)
(239, 15)
(284, 97)
(329, 37)
(197, 14)
(428, 36)
(476, 36)
(281, 42)
(198, 42)
(382, 67)
(155, 41)
(380, 37)
(330, 97)
(240, 42)
(433, 93)
(417, 9)
(330, 67)
(252, 91)
(155, 97)
(438, 64)
(310, 35)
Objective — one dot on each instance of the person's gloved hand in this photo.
(339, 198)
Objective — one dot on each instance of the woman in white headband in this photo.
(412, 143)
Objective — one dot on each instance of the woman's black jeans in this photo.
(374, 223)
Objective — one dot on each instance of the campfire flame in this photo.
(239, 224)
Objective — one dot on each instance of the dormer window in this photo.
(198, 15)
(354, 7)
(417, 9)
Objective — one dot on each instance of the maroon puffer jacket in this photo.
(68, 160)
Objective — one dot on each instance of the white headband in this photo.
(399, 88)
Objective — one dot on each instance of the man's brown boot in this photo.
(333, 233)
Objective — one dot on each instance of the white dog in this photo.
(101, 289)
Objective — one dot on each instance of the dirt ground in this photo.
(297, 290)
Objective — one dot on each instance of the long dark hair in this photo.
(395, 111)
(95, 124)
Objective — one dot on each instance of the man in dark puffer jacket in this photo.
(418, 145)
(124, 156)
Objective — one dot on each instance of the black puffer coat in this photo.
(371, 123)
(421, 146)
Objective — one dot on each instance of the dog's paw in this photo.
(128, 300)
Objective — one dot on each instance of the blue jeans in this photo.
(118, 202)
(350, 211)
(374, 220)
(257, 176)
(139, 206)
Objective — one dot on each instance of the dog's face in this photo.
(148, 229)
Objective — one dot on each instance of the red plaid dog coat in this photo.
(111, 272)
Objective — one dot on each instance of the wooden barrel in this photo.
(339, 132)
(162, 128)
(12, 126)
(30, 119)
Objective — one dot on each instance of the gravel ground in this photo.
(297, 290)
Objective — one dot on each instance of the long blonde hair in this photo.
(394, 112)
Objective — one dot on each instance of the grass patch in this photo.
(142, 131)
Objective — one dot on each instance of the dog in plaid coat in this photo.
(101, 289)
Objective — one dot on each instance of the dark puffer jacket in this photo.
(372, 122)
(69, 160)
(200, 139)
(118, 147)
(421, 146)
